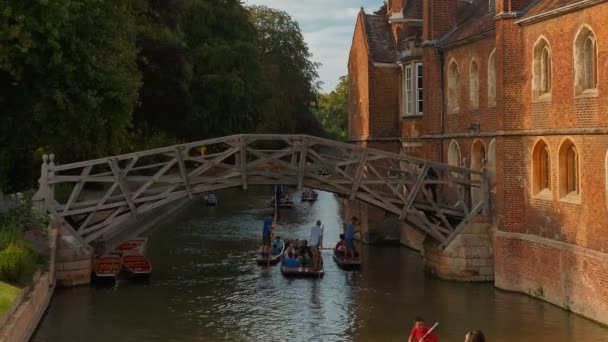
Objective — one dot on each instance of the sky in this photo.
(328, 27)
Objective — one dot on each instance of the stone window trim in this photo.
(569, 172)
(413, 89)
(585, 62)
(454, 158)
(492, 79)
(453, 85)
(473, 84)
(542, 70)
(541, 170)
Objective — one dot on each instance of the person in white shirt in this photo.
(316, 243)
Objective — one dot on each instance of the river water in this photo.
(205, 287)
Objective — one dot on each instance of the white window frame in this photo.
(419, 90)
(408, 90)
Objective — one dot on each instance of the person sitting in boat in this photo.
(303, 250)
(340, 246)
(290, 249)
(277, 246)
(291, 261)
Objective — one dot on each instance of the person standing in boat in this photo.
(349, 237)
(266, 236)
(422, 333)
(316, 243)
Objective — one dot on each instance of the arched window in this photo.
(541, 168)
(542, 69)
(568, 169)
(492, 80)
(453, 86)
(473, 85)
(585, 61)
(478, 156)
(492, 164)
(454, 156)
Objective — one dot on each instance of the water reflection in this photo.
(206, 287)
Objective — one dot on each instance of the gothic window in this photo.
(454, 156)
(542, 69)
(473, 85)
(541, 167)
(585, 61)
(569, 169)
(453, 87)
(492, 165)
(492, 80)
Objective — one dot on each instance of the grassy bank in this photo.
(8, 293)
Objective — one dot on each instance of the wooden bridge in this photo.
(94, 197)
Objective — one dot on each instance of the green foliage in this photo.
(22, 218)
(332, 110)
(290, 75)
(17, 263)
(8, 294)
(68, 80)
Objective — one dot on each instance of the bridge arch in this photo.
(127, 186)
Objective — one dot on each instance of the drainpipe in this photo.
(441, 107)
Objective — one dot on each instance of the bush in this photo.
(17, 263)
(9, 234)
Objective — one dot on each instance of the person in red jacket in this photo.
(419, 332)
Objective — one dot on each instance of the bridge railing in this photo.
(95, 196)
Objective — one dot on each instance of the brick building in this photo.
(521, 85)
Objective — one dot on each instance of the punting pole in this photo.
(428, 332)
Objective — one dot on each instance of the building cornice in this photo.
(469, 40)
(385, 65)
(558, 12)
(516, 133)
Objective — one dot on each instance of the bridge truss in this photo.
(94, 197)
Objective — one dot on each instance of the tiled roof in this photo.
(473, 19)
(548, 5)
(380, 40)
(412, 9)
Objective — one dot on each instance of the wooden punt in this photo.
(133, 246)
(286, 204)
(137, 265)
(309, 196)
(107, 267)
(303, 271)
(347, 264)
(274, 258)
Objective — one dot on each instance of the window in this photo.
(453, 86)
(492, 165)
(585, 61)
(542, 69)
(492, 80)
(413, 89)
(454, 156)
(568, 169)
(408, 90)
(541, 168)
(473, 85)
(419, 98)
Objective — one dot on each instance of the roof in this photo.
(382, 47)
(473, 20)
(543, 6)
(412, 9)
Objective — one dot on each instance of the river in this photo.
(205, 287)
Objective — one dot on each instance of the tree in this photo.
(68, 80)
(290, 74)
(332, 110)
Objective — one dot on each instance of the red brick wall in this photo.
(358, 77)
(384, 101)
(439, 16)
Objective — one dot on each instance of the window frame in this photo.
(408, 91)
(419, 87)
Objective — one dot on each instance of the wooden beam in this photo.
(243, 161)
(179, 150)
(358, 175)
(460, 227)
(78, 187)
(413, 192)
(302, 167)
(122, 185)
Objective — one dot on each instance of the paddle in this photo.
(428, 332)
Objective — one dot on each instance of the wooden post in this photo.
(39, 200)
(243, 161)
(485, 189)
(358, 175)
(122, 185)
(302, 164)
(179, 150)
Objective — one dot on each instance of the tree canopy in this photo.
(332, 110)
(87, 78)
